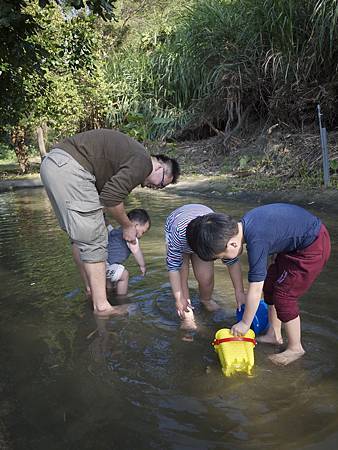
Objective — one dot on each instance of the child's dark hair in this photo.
(208, 235)
(172, 164)
(139, 215)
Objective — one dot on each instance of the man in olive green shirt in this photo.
(88, 172)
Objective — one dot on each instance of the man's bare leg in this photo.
(80, 266)
(96, 275)
(274, 333)
(294, 349)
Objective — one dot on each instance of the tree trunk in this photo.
(41, 142)
(18, 141)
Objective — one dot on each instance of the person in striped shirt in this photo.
(178, 257)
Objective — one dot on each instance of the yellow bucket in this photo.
(236, 353)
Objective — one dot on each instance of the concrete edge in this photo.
(9, 185)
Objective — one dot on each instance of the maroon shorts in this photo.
(292, 274)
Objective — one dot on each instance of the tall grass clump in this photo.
(141, 102)
(293, 44)
(222, 59)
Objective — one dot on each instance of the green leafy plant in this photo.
(215, 59)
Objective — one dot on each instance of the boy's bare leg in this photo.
(122, 284)
(96, 275)
(204, 273)
(294, 349)
(274, 333)
(109, 285)
(79, 263)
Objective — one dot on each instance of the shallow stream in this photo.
(70, 381)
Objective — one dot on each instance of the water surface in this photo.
(70, 381)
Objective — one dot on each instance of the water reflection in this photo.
(71, 380)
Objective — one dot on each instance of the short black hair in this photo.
(208, 235)
(172, 164)
(139, 215)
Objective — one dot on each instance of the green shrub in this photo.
(217, 58)
(6, 153)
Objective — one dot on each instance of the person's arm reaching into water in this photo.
(235, 273)
(252, 301)
(138, 255)
(181, 300)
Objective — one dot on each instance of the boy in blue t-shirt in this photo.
(302, 247)
(119, 250)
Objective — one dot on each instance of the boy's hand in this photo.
(143, 270)
(182, 307)
(239, 329)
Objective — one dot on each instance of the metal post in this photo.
(325, 154)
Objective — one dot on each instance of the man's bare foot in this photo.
(270, 338)
(286, 357)
(210, 305)
(188, 323)
(119, 310)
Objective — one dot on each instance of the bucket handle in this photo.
(234, 338)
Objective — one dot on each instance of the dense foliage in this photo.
(165, 68)
(51, 70)
(216, 60)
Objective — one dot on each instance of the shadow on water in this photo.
(70, 380)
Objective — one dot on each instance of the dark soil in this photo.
(270, 157)
(272, 166)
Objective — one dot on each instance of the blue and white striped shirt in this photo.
(175, 233)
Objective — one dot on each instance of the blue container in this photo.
(260, 321)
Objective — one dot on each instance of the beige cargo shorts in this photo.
(72, 192)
